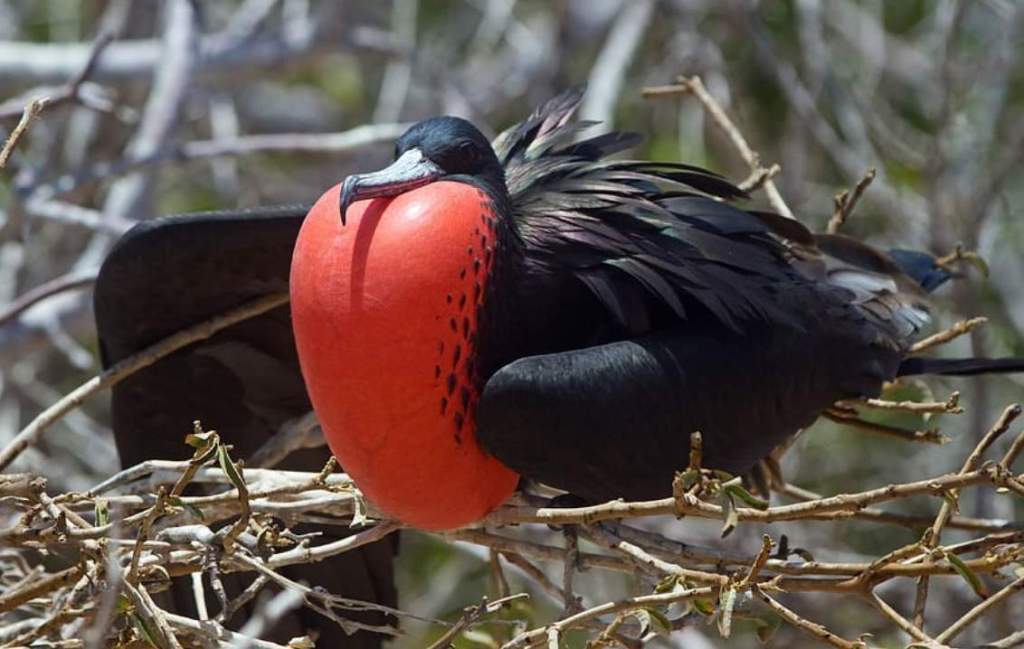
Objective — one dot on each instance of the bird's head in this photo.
(431, 150)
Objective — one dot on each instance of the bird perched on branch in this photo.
(531, 307)
(480, 311)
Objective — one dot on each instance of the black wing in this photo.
(666, 236)
(173, 272)
(614, 420)
(740, 324)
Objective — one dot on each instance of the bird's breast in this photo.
(385, 312)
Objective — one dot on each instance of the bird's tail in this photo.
(922, 267)
(960, 366)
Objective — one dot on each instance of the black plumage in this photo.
(635, 304)
(630, 303)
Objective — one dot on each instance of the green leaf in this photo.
(969, 575)
(205, 443)
(101, 512)
(662, 624)
(703, 605)
(735, 489)
(726, 603)
(201, 440)
(229, 468)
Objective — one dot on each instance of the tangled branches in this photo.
(81, 568)
(136, 532)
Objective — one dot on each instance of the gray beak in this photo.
(409, 171)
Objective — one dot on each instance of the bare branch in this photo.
(31, 112)
(752, 158)
(846, 201)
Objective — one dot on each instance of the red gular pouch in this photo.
(385, 312)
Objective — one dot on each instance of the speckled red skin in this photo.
(385, 317)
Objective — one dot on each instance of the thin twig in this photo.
(472, 615)
(933, 534)
(31, 112)
(980, 609)
(950, 406)
(928, 436)
(535, 636)
(695, 86)
(846, 201)
(911, 629)
(960, 328)
(796, 620)
(68, 282)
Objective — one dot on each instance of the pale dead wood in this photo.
(32, 111)
(845, 202)
(980, 609)
(761, 175)
(958, 329)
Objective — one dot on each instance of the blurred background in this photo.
(273, 101)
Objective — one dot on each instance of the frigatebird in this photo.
(480, 311)
(530, 307)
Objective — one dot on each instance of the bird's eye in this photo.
(468, 152)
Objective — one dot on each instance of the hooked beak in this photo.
(411, 170)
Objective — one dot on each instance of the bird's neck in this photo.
(501, 308)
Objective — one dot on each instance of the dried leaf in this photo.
(726, 603)
(729, 514)
(359, 515)
(643, 616)
(200, 438)
(205, 443)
